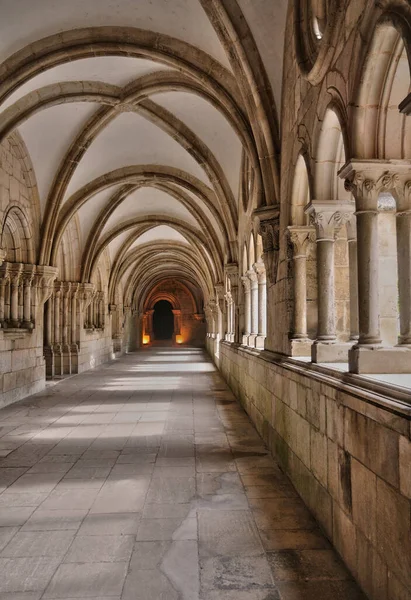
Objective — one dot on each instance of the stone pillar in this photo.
(28, 276)
(219, 292)
(353, 276)
(66, 350)
(404, 274)
(259, 268)
(177, 323)
(247, 309)
(15, 281)
(300, 237)
(4, 279)
(252, 276)
(367, 180)
(328, 218)
(267, 223)
(57, 347)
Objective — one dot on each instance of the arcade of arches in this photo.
(233, 175)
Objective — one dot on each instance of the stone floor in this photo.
(145, 480)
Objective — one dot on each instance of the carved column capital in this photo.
(15, 273)
(44, 282)
(246, 283)
(329, 217)
(366, 179)
(268, 225)
(28, 274)
(4, 273)
(86, 294)
(300, 237)
(260, 271)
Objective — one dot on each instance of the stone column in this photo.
(228, 316)
(267, 223)
(367, 180)
(219, 292)
(4, 278)
(259, 268)
(15, 281)
(353, 276)
(66, 349)
(300, 238)
(28, 275)
(247, 309)
(49, 322)
(327, 217)
(177, 323)
(57, 346)
(252, 276)
(73, 335)
(404, 272)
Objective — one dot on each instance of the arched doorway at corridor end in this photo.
(163, 320)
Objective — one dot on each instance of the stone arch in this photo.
(16, 230)
(330, 156)
(300, 193)
(379, 129)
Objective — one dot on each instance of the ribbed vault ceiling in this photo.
(136, 117)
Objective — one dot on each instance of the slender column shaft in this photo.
(404, 275)
(74, 319)
(57, 318)
(247, 311)
(2, 300)
(65, 317)
(49, 322)
(254, 307)
(326, 293)
(368, 301)
(14, 302)
(262, 308)
(353, 276)
(27, 302)
(300, 297)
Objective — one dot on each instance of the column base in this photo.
(58, 360)
(244, 339)
(301, 347)
(259, 342)
(49, 358)
(379, 360)
(323, 352)
(66, 357)
(251, 340)
(74, 358)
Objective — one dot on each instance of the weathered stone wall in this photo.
(349, 460)
(22, 367)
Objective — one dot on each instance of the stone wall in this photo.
(96, 348)
(349, 459)
(22, 366)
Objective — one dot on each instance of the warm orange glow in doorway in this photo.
(179, 339)
(146, 339)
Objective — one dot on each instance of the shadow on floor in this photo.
(145, 480)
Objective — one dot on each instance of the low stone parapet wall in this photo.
(346, 449)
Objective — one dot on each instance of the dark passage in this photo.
(163, 320)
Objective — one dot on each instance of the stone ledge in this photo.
(388, 397)
(15, 333)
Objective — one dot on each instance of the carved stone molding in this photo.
(44, 281)
(329, 217)
(268, 225)
(366, 180)
(300, 237)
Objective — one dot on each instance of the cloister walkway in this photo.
(145, 480)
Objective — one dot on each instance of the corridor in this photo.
(145, 480)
